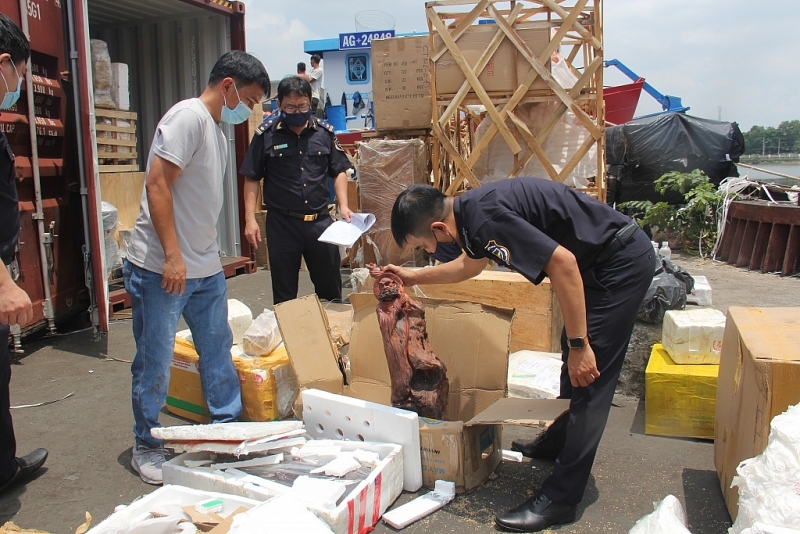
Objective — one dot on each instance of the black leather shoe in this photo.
(28, 465)
(541, 447)
(535, 514)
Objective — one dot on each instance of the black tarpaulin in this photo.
(642, 150)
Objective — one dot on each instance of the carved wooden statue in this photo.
(419, 378)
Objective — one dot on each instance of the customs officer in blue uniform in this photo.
(600, 265)
(296, 154)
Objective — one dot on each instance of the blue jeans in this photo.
(204, 305)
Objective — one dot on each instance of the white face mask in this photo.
(11, 97)
(237, 115)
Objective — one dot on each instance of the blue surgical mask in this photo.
(237, 115)
(11, 97)
(296, 120)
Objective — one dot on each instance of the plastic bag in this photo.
(769, 484)
(666, 292)
(667, 518)
(680, 273)
(262, 336)
(110, 215)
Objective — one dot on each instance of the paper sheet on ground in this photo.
(345, 233)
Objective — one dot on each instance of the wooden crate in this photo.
(573, 24)
(124, 191)
(116, 140)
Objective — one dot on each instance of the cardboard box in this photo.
(537, 319)
(679, 399)
(356, 514)
(401, 83)
(264, 382)
(759, 375)
(537, 38)
(500, 73)
(693, 336)
(471, 339)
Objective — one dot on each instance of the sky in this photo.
(734, 60)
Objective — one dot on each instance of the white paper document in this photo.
(345, 233)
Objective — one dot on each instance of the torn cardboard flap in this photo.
(527, 412)
(304, 327)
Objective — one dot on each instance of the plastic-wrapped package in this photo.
(110, 215)
(667, 518)
(565, 140)
(101, 74)
(769, 484)
(113, 258)
(269, 386)
(262, 336)
(386, 168)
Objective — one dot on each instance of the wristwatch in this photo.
(577, 343)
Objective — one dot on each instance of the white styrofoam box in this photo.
(534, 375)
(284, 515)
(701, 294)
(120, 88)
(361, 510)
(327, 415)
(693, 336)
(239, 318)
(166, 499)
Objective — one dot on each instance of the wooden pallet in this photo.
(517, 24)
(116, 140)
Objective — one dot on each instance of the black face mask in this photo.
(446, 252)
(295, 120)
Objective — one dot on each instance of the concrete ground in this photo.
(89, 434)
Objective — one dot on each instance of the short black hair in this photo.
(12, 41)
(414, 211)
(244, 68)
(301, 67)
(293, 85)
(315, 58)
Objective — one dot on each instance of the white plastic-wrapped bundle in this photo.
(667, 518)
(262, 336)
(110, 215)
(769, 484)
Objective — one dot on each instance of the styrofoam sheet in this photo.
(327, 415)
(168, 498)
(701, 294)
(693, 336)
(361, 510)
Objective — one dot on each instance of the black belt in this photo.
(307, 217)
(618, 242)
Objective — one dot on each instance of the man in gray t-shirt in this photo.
(172, 267)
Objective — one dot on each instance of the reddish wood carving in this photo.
(419, 378)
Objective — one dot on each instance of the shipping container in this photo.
(170, 47)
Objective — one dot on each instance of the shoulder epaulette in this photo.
(325, 124)
(266, 125)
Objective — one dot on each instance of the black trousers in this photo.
(8, 443)
(288, 240)
(614, 291)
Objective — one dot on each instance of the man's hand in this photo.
(582, 367)
(173, 277)
(15, 304)
(345, 213)
(406, 275)
(252, 232)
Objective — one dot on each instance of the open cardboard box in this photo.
(473, 342)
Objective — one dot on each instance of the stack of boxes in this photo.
(681, 376)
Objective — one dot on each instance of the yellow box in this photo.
(256, 377)
(679, 399)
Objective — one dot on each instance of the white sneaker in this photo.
(147, 462)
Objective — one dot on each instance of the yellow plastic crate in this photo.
(679, 399)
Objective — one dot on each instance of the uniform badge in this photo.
(498, 251)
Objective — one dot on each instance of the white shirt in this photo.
(190, 138)
(316, 81)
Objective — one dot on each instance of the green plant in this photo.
(694, 223)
